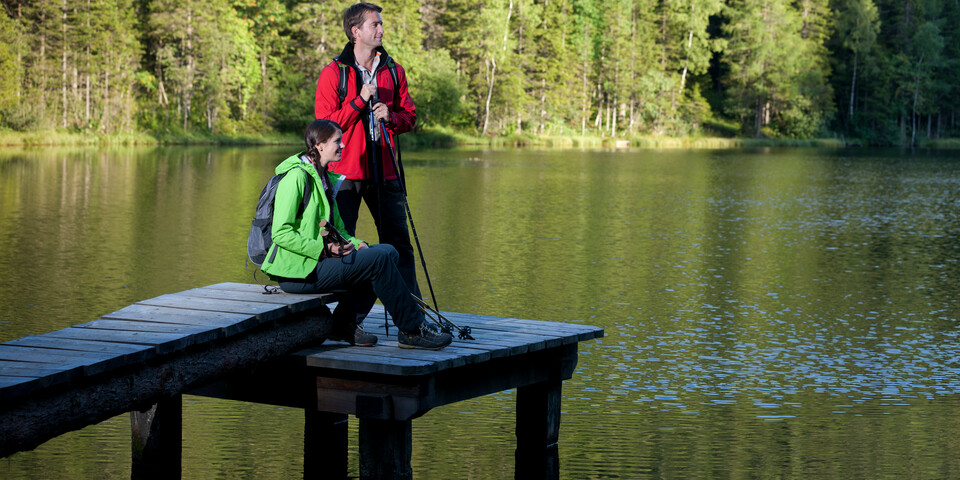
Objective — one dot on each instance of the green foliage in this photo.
(775, 77)
(9, 66)
(880, 70)
(432, 82)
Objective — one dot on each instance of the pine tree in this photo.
(775, 76)
(9, 66)
(265, 20)
(857, 27)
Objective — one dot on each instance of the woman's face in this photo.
(330, 149)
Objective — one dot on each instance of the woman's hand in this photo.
(338, 250)
(362, 246)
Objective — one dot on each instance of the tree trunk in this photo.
(598, 121)
(758, 120)
(683, 77)
(543, 103)
(583, 104)
(486, 107)
(853, 83)
(105, 124)
(903, 128)
(263, 79)
(63, 64)
(86, 109)
(606, 104)
(493, 70)
(41, 63)
(616, 107)
(916, 97)
(188, 90)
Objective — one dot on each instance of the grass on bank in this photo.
(448, 138)
(65, 138)
(941, 143)
(430, 137)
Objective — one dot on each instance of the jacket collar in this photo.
(346, 56)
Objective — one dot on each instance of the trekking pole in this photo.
(462, 333)
(406, 204)
(373, 100)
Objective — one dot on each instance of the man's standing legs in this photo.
(391, 225)
(391, 221)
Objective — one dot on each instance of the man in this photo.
(367, 163)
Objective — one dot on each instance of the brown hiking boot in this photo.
(427, 336)
(354, 336)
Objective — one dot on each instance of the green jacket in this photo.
(297, 244)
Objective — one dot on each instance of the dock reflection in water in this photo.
(769, 313)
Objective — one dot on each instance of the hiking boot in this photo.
(427, 336)
(354, 336)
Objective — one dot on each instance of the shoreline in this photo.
(441, 139)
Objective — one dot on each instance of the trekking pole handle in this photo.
(373, 100)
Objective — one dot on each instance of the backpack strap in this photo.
(344, 72)
(307, 192)
(392, 68)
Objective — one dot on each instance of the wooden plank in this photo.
(264, 312)
(497, 346)
(514, 342)
(553, 333)
(34, 376)
(131, 353)
(163, 342)
(388, 351)
(91, 363)
(537, 340)
(296, 304)
(231, 323)
(28, 420)
(567, 334)
(11, 368)
(258, 289)
(585, 332)
(202, 334)
(346, 359)
(449, 357)
(580, 332)
(15, 386)
(252, 288)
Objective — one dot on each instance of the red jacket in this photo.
(352, 116)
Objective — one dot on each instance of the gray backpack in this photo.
(260, 238)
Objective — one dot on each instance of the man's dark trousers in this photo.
(391, 220)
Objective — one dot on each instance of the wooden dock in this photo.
(231, 341)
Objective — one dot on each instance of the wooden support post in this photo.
(324, 445)
(156, 440)
(538, 429)
(386, 447)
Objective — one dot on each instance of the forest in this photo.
(878, 72)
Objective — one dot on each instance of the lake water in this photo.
(784, 314)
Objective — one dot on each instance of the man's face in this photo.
(370, 32)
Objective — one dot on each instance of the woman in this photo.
(303, 260)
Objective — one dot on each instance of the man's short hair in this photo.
(353, 16)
